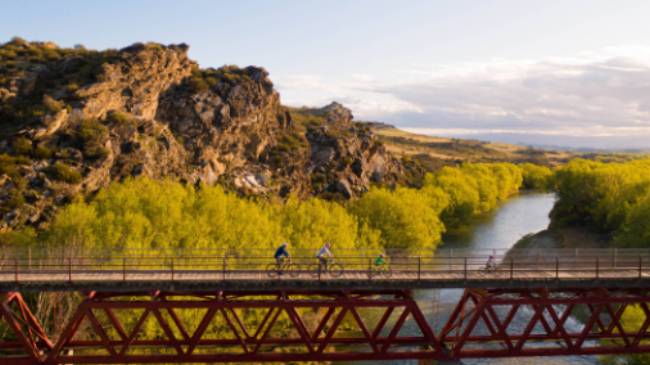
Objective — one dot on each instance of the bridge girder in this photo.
(199, 327)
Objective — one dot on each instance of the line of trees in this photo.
(143, 215)
(149, 216)
(613, 198)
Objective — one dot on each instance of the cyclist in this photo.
(380, 260)
(491, 264)
(324, 254)
(281, 253)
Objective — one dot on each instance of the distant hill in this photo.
(421, 153)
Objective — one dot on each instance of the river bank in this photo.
(564, 237)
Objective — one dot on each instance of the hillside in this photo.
(447, 150)
(421, 153)
(74, 120)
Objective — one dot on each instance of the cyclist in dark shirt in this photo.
(281, 253)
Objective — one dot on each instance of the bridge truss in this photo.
(203, 327)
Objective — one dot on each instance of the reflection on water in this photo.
(527, 213)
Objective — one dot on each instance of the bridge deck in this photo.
(119, 281)
(521, 269)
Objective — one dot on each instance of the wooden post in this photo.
(123, 268)
(640, 266)
(223, 269)
(512, 267)
(171, 266)
(69, 269)
(370, 268)
(16, 270)
(419, 267)
(465, 267)
(557, 268)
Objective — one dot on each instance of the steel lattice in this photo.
(200, 327)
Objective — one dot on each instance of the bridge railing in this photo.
(513, 264)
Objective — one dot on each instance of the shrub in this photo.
(198, 84)
(9, 165)
(67, 173)
(120, 117)
(93, 136)
(42, 151)
(21, 145)
(15, 200)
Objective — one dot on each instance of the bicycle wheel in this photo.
(387, 272)
(335, 270)
(313, 270)
(272, 270)
(293, 270)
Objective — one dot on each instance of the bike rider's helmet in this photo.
(285, 244)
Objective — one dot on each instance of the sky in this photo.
(554, 72)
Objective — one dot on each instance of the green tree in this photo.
(406, 220)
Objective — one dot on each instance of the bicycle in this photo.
(490, 268)
(331, 268)
(381, 271)
(275, 270)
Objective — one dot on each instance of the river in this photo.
(521, 215)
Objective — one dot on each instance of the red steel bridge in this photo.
(200, 308)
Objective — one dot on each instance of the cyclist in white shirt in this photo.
(324, 254)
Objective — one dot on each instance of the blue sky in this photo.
(550, 72)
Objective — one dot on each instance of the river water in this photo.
(521, 215)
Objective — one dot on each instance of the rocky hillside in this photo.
(73, 120)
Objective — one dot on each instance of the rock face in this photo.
(73, 120)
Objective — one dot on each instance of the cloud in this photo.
(359, 92)
(604, 94)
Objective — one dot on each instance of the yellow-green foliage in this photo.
(311, 223)
(536, 177)
(10, 165)
(474, 189)
(64, 172)
(93, 136)
(143, 214)
(406, 218)
(632, 319)
(611, 197)
(203, 80)
(21, 145)
(161, 216)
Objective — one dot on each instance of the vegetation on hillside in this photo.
(69, 69)
(146, 215)
(447, 150)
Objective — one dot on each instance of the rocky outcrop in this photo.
(74, 120)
